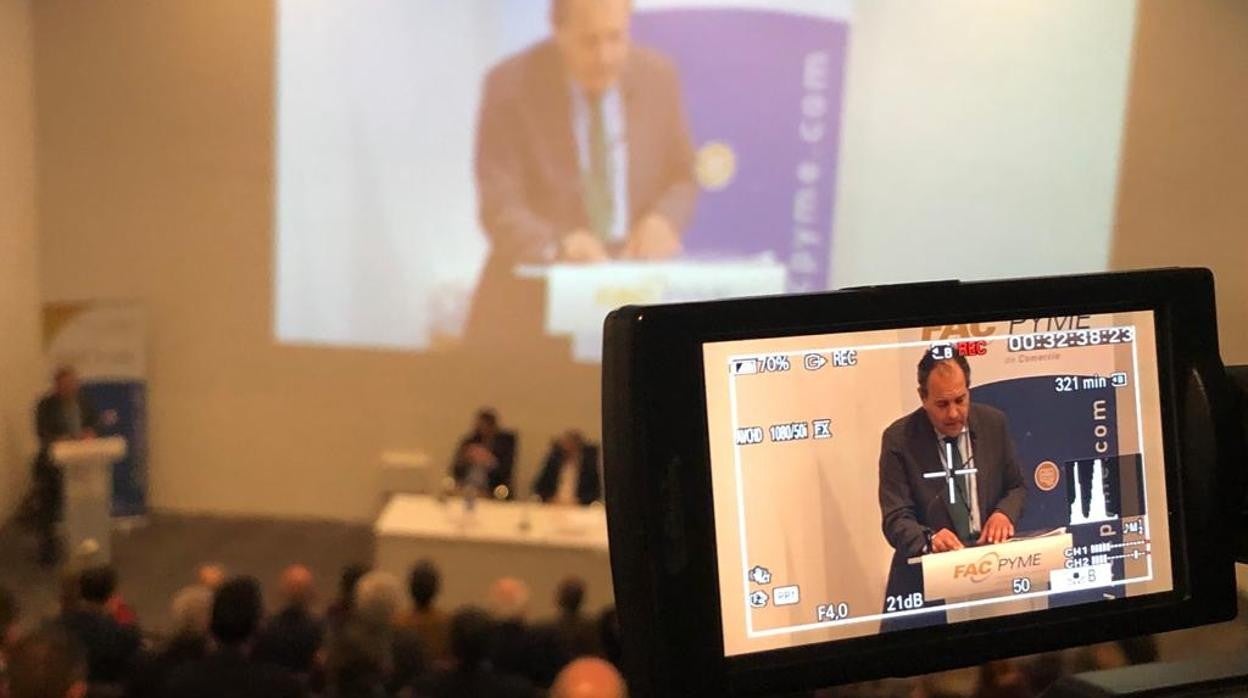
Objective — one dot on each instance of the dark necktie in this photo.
(959, 509)
(599, 188)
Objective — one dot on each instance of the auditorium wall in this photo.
(156, 183)
(20, 372)
(1181, 191)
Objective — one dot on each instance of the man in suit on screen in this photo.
(949, 478)
(582, 155)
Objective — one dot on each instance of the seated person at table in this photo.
(570, 473)
(485, 456)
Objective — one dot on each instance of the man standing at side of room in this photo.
(63, 413)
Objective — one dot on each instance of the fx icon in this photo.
(823, 428)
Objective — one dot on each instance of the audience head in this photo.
(509, 599)
(359, 661)
(423, 584)
(351, 575)
(471, 637)
(65, 382)
(570, 595)
(47, 663)
(191, 610)
(609, 635)
(377, 599)
(96, 585)
(236, 610)
(297, 587)
(211, 576)
(588, 677)
(487, 422)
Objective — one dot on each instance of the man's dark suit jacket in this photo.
(529, 183)
(588, 487)
(290, 640)
(504, 449)
(112, 648)
(911, 504)
(50, 422)
(227, 672)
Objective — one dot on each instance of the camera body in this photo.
(781, 487)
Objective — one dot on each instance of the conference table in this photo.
(540, 544)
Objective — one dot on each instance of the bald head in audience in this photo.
(211, 575)
(589, 677)
(297, 587)
(509, 598)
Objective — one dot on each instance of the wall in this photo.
(155, 182)
(1183, 193)
(20, 367)
(156, 171)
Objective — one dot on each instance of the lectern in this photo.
(87, 466)
(1018, 567)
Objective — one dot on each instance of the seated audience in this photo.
(577, 635)
(485, 457)
(520, 648)
(589, 677)
(359, 663)
(426, 620)
(111, 647)
(1003, 678)
(8, 635)
(190, 612)
(291, 638)
(340, 608)
(372, 624)
(48, 663)
(472, 674)
(228, 672)
(570, 472)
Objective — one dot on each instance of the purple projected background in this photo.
(769, 86)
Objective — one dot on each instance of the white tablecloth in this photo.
(474, 548)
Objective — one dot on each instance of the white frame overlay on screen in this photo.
(732, 393)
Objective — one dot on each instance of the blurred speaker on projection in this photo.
(582, 155)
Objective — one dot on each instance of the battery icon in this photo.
(741, 367)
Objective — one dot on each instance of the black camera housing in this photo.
(658, 481)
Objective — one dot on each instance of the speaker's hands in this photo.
(997, 529)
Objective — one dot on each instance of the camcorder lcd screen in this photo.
(875, 481)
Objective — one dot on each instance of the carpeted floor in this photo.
(158, 557)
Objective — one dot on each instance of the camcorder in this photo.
(811, 490)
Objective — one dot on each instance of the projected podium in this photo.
(579, 296)
(87, 466)
(1016, 567)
